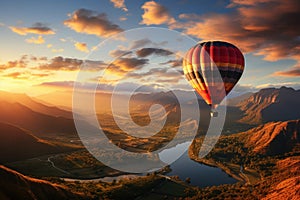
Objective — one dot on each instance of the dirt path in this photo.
(53, 165)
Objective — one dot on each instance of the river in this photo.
(201, 175)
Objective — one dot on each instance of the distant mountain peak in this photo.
(271, 104)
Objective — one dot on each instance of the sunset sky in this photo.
(44, 43)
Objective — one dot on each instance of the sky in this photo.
(45, 45)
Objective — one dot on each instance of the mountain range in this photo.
(26, 124)
(271, 104)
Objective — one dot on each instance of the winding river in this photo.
(200, 175)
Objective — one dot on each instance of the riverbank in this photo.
(245, 175)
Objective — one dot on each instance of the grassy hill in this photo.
(18, 144)
(14, 185)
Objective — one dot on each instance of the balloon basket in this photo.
(213, 113)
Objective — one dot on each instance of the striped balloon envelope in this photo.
(213, 68)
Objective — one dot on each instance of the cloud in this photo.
(119, 4)
(295, 85)
(39, 74)
(159, 75)
(49, 45)
(36, 59)
(173, 63)
(246, 2)
(60, 63)
(243, 88)
(119, 52)
(38, 40)
(67, 84)
(292, 72)
(190, 16)
(140, 43)
(13, 75)
(123, 51)
(123, 19)
(20, 63)
(37, 28)
(81, 47)
(90, 22)
(265, 27)
(62, 39)
(54, 64)
(122, 66)
(155, 13)
(144, 52)
(24, 75)
(71, 64)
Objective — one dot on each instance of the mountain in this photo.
(271, 105)
(34, 105)
(64, 99)
(238, 99)
(39, 123)
(288, 188)
(17, 144)
(14, 185)
(273, 138)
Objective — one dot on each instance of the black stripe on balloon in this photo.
(231, 74)
(192, 75)
(231, 77)
(217, 44)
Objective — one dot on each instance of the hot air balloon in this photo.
(213, 68)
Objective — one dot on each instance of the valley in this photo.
(259, 156)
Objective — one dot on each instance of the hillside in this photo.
(38, 123)
(14, 185)
(271, 104)
(18, 144)
(273, 138)
(285, 188)
(266, 158)
(33, 105)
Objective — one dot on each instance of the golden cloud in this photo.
(252, 27)
(292, 72)
(81, 47)
(24, 75)
(119, 4)
(155, 13)
(37, 28)
(38, 40)
(90, 22)
(121, 66)
(21, 63)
